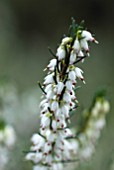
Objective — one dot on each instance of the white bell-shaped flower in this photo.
(48, 87)
(49, 159)
(45, 121)
(54, 106)
(54, 125)
(79, 73)
(68, 133)
(52, 64)
(69, 85)
(67, 97)
(65, 111)
(84, 45)
(61, 52)
(47, 148)
(50, 136)
(72, 57)
(61, 122)
(49, 79)
(60, 87)
(72, 76)
(87, 35)
(106, 106)
(9, 135)
(66, 40)
(43, 102)
(37, 139)
(50, 94)
(76, 46)
(35, 157)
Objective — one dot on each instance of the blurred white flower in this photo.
(9, 135)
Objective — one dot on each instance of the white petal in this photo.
(80, 54)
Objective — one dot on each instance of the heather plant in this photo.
(56, 144)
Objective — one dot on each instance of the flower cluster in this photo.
(51, 146)
(7, 141)
(91, 130)
(8, 100)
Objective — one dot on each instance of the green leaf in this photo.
(2, 124)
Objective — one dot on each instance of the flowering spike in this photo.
(57, 144)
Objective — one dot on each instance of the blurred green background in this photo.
(27, 28)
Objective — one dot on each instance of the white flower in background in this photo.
(106, 106)
(39, 167)
(55, 142)
(8, 104)
(9, 135)
(4, 157)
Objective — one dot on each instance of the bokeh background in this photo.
(27, 28)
